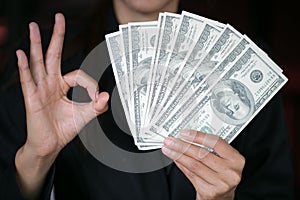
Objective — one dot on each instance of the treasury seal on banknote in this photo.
(232, 102)
(256, 76)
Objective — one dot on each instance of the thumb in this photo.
(85, 112)
(100, 103)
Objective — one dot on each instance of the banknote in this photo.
(125, 38)
(236, 98)
(117, 57)
(223, 45)
(188, 33)
(170, 25)
(207, 38)
(153, 79)
(213, 77)
(186, 71)
(142, 50)
(183, 52)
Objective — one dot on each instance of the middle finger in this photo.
(209, 159)
(54, 52)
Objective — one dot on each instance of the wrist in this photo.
(43, 149)
(31, 171)
(30, 158)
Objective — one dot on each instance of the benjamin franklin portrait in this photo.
(232, 102)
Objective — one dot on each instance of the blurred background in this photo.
(272, 23)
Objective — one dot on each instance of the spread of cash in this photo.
(185, 71)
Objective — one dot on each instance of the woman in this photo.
(46, 150)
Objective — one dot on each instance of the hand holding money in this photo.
(189, 72)
(205, 170)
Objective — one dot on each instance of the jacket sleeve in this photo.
(9, 188)
(268, 172)
(12, 137)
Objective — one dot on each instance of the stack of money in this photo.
(185, 71)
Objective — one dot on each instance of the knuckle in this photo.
(210, 194)
(39, 61)
(81, 74)
(37, 42)
(223, 187)
(239, 162)
(55, 56)
(78, 72)
(235, 179)
(217, 192)
(60, 33)
(194, 166)
(25, 81)
(221, 141)
(242, 161)
(190, 174)
(184, 148)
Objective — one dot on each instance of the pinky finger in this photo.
(27, 83)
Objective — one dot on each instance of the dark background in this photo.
(274, 22)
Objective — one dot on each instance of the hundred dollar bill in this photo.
(212, 78)
(141, 46)
(153, 78)
(149, 147)
(125, 38)
(188, 33)
(236, 98)
(207, 38)
(191, 86)
(116, 54)
(191, 26)
(169, 27)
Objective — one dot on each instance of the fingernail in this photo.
(18, 53)
(166, 151)
(97, 95)
(169, 142)
(30, 25)
(56, 17)
(103, 96)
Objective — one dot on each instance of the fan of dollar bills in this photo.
(185, 71)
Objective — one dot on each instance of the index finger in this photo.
(79, 77)
(220, 146)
